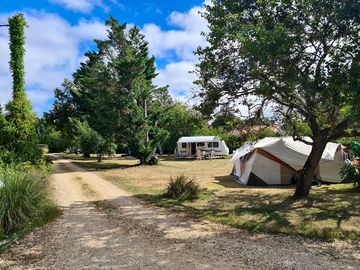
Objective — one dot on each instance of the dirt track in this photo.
(103, 227)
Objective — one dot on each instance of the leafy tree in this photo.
(142, 134)
(54, 139)
(233, 141)
(301, 58)
(113, 92)
(91, 141)
(179, 120)
(260, 134)
(63, 109)
(226, 119)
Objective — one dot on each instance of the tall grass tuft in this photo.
(23, 198)
(182, 188)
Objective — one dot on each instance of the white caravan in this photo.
(208, 145)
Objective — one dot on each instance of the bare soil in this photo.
(103, 227)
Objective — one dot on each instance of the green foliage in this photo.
(257, 135)
(55, 140)
(226, 119)
(17, 25)
(355, 148)
(182, 188)
(91, 141)
(113, 93)
(23, 196)
(17, 126)
(350, 171)
(233, 141)
(20, 117)
(274, 61)
(179, 120)
(300, 59)
(63, 109)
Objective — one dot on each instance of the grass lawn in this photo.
(332, 211)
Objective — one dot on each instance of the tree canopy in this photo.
(113, 92)
(299, 59)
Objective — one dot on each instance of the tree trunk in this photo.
(308, 172)
(99, 157)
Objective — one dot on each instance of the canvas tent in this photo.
(274, 161)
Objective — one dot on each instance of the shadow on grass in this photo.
(275, 213)
(100, 166)
(187, 159)
(227, 181)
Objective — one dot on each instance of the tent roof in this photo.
(285, 148)
(197, 139)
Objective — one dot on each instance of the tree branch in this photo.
(301, 139)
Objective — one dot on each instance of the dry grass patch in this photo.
(332, 211)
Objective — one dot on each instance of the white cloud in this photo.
(54, 49)
(179, 43)
(177, 47)
(52, 54)
(179, 79)
(85, 6)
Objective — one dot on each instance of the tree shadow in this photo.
(101, 166)
(275, 213)
(229, 181)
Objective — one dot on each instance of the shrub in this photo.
(23, 197)
(351, 172)
(152, 160)
(24, 152)
(182, 188)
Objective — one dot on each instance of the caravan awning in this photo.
(196, 139)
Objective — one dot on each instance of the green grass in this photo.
(24, 203)
(331, 211)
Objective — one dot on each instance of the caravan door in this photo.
(193, 149)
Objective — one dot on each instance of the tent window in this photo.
(183, 145)
(200, 144)
(213, 144)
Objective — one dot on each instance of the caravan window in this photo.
(213, 144)
(183, 145)
(200, 144)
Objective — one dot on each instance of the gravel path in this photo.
(103, 227)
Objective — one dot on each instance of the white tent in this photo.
(273, 161)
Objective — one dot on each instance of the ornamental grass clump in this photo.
(23, 197)
(182, 188)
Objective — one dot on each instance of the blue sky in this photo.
(60, 31)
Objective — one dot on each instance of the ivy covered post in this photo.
(17, 25)
(21, 119)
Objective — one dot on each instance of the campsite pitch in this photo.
(331, 212)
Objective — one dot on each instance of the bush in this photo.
(349, 171)
(25, 152)
(152, 160)
(23, 197)
(182, 188)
